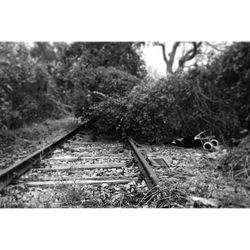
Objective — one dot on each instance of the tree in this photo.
(23, 82)
(218, 46)
(186, 56)
(48, 54)
(43, 51)
(121, 55)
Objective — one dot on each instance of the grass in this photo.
(237, 164)
(17, 144)
(39, 131)
(99, 197)
(164, 196)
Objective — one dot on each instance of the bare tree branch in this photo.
(163, 51)
(189, 55)
(214, 47)
(172, 54)
(169, 61)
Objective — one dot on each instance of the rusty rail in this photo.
(19, 168)
(149, 175)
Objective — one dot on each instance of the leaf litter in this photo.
(192, 178)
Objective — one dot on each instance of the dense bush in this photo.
(214, 98)
(25, 87)
(104, 83)
(233, 80)
(104, 67)
(124, 56)
(225, 89)
(237, 162)
(48, 79)
(97, 85)
(109, 81)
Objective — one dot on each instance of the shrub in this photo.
(99, 87)
(237, 162)
(214, 98)
(25, 93)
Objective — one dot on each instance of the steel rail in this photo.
(150, 177)
(19, 168)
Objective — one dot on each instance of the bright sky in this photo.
(153, 58)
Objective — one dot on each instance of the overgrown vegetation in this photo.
(106, 83)
(237, 163)
(27, 92)
(46, 80)
(214, 97)
(17, 144)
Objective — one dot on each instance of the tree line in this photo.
(43, 79)
(107, 83)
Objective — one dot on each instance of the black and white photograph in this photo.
(124, 122)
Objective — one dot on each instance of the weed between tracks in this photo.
(104, 196)
(237, 163)
(126, 196)
(75, 196)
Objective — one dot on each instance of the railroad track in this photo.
(74, 171)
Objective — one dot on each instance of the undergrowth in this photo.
(45, 128)
(17, 144)
(237, 163)
(164, 196)
(214, 98)
(110, 196)
(38, 131)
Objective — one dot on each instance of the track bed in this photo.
(80, 173)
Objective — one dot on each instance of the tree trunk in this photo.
(169, 60)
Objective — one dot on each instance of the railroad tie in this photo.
(75, 182)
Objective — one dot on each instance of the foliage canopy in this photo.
(106, 83)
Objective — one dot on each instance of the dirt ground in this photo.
(196, 176)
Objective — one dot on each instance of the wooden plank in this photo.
(24, 180)
(94, 146)
(91, 155)
(82, 167)
(75, 143)
(158, 162)
(109, 144)
(90, 149)
(73, 158)
(159, 157)
(78, 182)
(86, 148)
